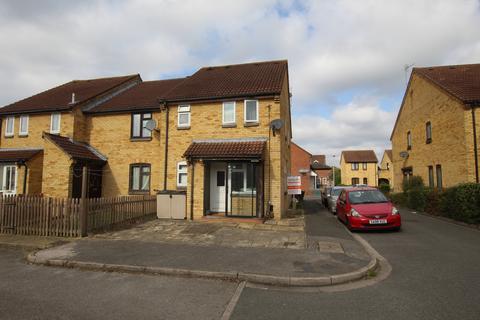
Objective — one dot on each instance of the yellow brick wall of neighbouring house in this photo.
(34, 176)
(386, 171)
(469, 142)
(56, 177)
(37, 124)
(347, 173)
(425, 102)
(110, 135)
(198, 190)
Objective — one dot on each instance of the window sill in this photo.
(182, 188)
(140, 139)
(409, 148)
(428, 141)
(56, 132)
(183, 128)
(23, 135)
(229, 125)
(139, 192)
(251, 124)
(9, 136)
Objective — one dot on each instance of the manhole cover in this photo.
(330, 247)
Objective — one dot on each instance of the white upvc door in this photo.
(9, 183)
(218, 179)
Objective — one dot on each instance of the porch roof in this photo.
(75, 149)
(226, 149)
(17, 155)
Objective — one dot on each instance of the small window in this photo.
(388, 166)
(365, 181)
(431, 183)
(182, 174)
(364, 166)
(138, 130)
(23, 130)
(355, 181)
(355, 166)
(220, 178)
(10, 126)
(409, 140)
(184, 116)
(55, 123)
(140, 178)
(428, 132)
(228, 113)
(439, 176)
(251, 110)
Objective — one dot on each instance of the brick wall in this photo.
(301, 160)
(347, 173)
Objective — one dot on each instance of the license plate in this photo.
(378, 221)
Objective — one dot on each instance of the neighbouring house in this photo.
(385, 170)
(437, 130)
(209, 135)
(311, 168)
(359, 167)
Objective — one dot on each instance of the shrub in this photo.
(384, 187)
(417, 198)
(415, 182)
(432, 202)
(398, 198)
(462, 203)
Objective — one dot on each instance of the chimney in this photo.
(73, 98)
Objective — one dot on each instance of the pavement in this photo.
(267, 254)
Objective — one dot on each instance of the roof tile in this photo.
(77, 150)
(226, 149)
(16, 155)
(359, 156)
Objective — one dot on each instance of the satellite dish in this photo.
(276, 124)
(404, 154)
(150, 125)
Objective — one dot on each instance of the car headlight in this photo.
(354, 213)
(395, 211)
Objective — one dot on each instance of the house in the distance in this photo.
(359, 167)
(313, 171)
(437, 130)
(385, 169)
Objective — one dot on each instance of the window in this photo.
(55, 123)
(139, 178)
(251, 111)
(364, 166)
(183, 116)
(355, 181)
(439, 176)
(388, 166)
(242, 177)
(365, 181)
(138, 130)
(409, 140)
(431, 183)
(428, 131)
(182, 174)
(10, 126)
(228, 113)
(23, 130)
(354, 166)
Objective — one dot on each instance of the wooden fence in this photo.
(45, 216)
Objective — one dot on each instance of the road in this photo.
(435, 275)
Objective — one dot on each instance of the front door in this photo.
(9, 183)
(217, 186)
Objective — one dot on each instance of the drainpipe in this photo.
(24, 177)
(191, 191)
(166, 147)
(475, 147)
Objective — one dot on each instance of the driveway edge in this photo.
(286, 281)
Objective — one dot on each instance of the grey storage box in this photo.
(171, 204)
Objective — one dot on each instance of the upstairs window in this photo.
(388, 166)
(55, 123)
(138, 129)
(364, 166)
(428, 131)
(182, 174)
(10, 126)
(251, 111)
(23, 130)
(139, 178)
(228, 113)
(183, 116)
(355, 166)
(409, 140)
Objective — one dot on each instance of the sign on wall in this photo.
(294, 185)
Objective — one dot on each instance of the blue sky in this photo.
(346, 58)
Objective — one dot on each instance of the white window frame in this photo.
(9, 133)
(25, 132)
(182, 171)
(183, 109)
(59, 122)
(234, 113)
(245, 112)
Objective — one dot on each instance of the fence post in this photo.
(83, 205)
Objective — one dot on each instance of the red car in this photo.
(366, 208)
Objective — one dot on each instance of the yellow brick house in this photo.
(385, 169)
(221, 135)
(359, 167)
(436, 133)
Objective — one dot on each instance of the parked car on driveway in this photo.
(367, 208)
(332, 198)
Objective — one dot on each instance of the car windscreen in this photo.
(336, 192)
(366, 196)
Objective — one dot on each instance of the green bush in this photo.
(384, 187)
(398, 198)
(432, 201)
(462, 203)
(417, 198)
(415, 182)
